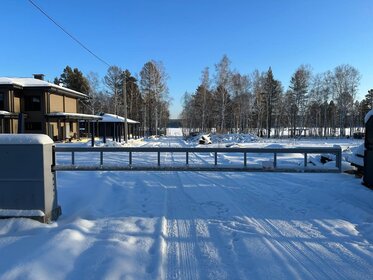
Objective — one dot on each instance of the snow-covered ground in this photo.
(197, 225)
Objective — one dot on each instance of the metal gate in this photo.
(131, 156)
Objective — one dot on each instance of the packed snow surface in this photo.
(21, 213)
(196, 225)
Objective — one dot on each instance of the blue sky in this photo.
(188, 36)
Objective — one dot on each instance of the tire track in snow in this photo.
(180, 260)
(293, 253)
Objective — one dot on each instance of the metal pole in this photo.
(93, 134)
(104, 135)
(125, 108)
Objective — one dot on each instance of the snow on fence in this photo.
(180, 159)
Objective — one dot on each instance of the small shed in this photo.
(113, 126)
(368, 153)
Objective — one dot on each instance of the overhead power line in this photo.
(68, 33)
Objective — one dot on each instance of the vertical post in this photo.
(339, 160)
(159, 158)
(73, 158)
(125, 108)
(245, 159)
(93, 135)
(305, 159)
(21, 123)
(187, 158)
(104, 135)
(88, 126)
(77, 130)
(274, 160)
(53, 157)
(216, 158)
(59, 129)
(113, 127)
(101, 158)
(130, 158)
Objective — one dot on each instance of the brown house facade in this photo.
(35, 106)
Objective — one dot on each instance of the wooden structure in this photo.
(44, 107)
(112, 126)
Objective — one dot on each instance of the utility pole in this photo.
(125, 108)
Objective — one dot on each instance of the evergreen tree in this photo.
(75, 80)
(272, 90)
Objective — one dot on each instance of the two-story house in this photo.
(32, 105)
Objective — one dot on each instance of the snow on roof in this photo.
(75, 115)
(19, 139)
(115, 118)
(368, 115)
(31, 82)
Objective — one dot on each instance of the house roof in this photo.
(115, 118)
(35, 83)
(73, 116)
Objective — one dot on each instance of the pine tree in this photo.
(75, 80)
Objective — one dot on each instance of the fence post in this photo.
(339, 160)
(245, 159)
(216, 158)
(159, 158)
(101, 158)
(187, 158)
(274, 160)
(73, 158)
(130, 158)
(305, 159)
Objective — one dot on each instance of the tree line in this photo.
(321, 104)
(146, 97)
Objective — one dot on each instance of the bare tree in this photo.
(113, 81)
(154, 90)
(222, 80)
(345, 83)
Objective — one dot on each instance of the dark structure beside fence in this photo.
(368, 153)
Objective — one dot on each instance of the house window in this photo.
(32, 103)
(33, 126)
(2, 101)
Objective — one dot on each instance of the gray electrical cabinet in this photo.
(27, 179)
(368, 154)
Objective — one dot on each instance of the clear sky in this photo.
(188, 35)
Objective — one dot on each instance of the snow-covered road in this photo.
(196, 225)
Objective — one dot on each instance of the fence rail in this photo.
(187, 166)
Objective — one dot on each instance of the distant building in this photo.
(113, 126)
(29, 105)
